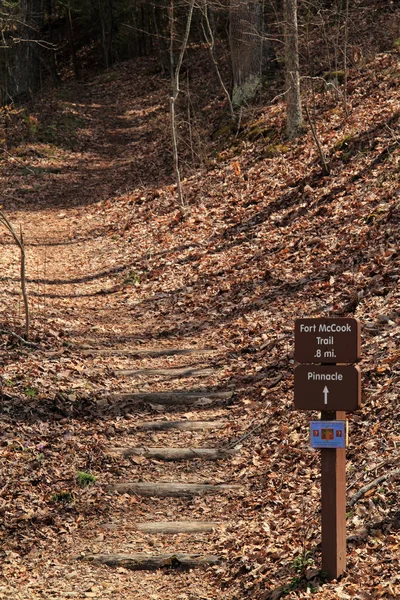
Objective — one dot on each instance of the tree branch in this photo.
(19, 338)
(362, 491)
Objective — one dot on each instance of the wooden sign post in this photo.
(333, 505)
(333, 390)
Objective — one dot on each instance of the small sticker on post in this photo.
(328, 434)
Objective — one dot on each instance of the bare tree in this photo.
(105, 10)
(175, 77)
(210, 40)
(23, 64)
(292, 70)
(246, 44)
(70, 30)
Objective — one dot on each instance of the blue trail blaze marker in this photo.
(328, 434)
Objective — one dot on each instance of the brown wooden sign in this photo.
(327, 388)
(327, 341)
(333, 390)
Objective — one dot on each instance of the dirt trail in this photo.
(76, 274)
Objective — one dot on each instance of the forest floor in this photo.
(114, 270)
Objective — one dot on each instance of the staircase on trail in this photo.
(196, 399)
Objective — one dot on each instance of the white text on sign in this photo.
(335, 376)
(325, 328)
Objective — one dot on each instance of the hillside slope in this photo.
(113, 265)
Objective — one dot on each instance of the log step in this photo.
(176, 527)
(170, 373)
(174, 453)
(169, 398)
(164, 490)
(144, 352)
(181, 425)
(149, 562)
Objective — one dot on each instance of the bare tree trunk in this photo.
(24, 64)
(107, 26)
(246, 44)
(160, 44)
(345, 48)
(175, 75)
(71, 42)
(210, 40)
(293, 98)
(50, 63)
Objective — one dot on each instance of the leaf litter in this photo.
(113, 265)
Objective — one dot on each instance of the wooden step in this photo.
(149, 562)
(164, 527)
(181, 425)
(144, 352)
(169, 373)
(169, 398)
(174, 453)
(164, 490)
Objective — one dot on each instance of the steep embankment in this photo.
(113, 269)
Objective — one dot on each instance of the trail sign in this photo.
(333, 390)
(327, 340)
(328, 388)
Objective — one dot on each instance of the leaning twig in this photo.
(249, 431)
(388, 461)
(393, 134)
(325, 165)
(20, 243)
(17, 160)
(361, 492)
(23, 281)
(19, 338)
(239, 122)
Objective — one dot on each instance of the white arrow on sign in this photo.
(326, 392)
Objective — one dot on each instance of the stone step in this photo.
(164, 490)
(149, 562)
(174, 453)
(181, 425)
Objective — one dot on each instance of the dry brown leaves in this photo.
(112, 264)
